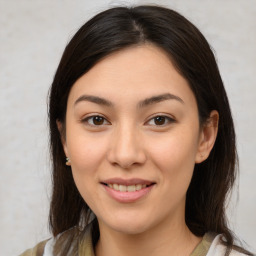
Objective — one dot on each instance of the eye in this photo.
(95, 120)
(160, 120)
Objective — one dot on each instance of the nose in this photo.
(126, 148)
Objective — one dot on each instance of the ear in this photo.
(62, 136)
(208, 135)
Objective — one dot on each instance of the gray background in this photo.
(33, 35)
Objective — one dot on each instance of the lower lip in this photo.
(128, 197)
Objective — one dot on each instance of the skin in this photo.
(129, 143)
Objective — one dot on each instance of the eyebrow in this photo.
(94, 99)
(159, 98)
(141, 104)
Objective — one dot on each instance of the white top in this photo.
(218, 249)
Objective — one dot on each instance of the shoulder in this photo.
(38, 250)
(217, 248)
(67, 240)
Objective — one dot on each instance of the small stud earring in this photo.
(68, 161)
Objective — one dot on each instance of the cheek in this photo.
(86, 154)
(174, 155)
(174, 148)
(175, 158)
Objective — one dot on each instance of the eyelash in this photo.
(167, 120)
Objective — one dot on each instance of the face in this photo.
(133, 138)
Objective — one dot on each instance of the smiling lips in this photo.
(130, 188)
(127, 191)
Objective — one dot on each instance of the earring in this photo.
(68, 163)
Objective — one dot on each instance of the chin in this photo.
(131, 230)
(129, 226)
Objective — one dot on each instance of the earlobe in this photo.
(208, 136)
(62, 136)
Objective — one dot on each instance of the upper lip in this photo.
(127, 182)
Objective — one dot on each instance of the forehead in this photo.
(142, 71)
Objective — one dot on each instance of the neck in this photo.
(160, 241)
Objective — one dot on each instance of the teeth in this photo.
(131, 188)
(124, 188)
(138, 186)
(115, 187)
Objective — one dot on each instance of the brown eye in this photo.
(95, 121)
(160, 121)
(98, 120)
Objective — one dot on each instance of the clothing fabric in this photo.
(209, 246)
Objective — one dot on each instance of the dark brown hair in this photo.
(116, 29)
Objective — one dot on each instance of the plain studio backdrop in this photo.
(33, 35)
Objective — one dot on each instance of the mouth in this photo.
(124, 188)
(127, 191)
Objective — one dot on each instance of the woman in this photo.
(139, 111)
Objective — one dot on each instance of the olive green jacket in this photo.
(209, 246)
